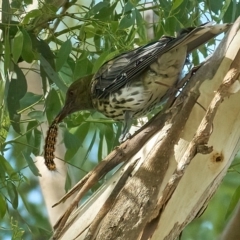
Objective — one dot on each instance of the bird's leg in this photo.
(126, 126)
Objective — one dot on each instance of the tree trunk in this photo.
(181, 166)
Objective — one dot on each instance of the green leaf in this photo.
(215, 6)
(38, 115)
(5, 11)
(232, 11)
(83, 66)
(63, 54)
(24, 200)
(80, 133)
(28, 2)
(3, 206)
(98, 7)
(7, 53)
(176, 4)
(127, 21)
(66, 72)
(43, 48)
(29, 160)
(52, 74)
(29, 100)
(6, 166)
(134, 2)
(141, 26)
(29, 131)
(128, 7)
(16, 4)
(93, 138)
(224, 8)
(100, 147)
(44, 79)
(32, 14)
(17, 89)
(12, 193)
(106, 12)
(71, 141)
(234, 202)
(100, 61)
(104, 57)
(27, 49)
(17, 46)
(52, 105)
(90, 31)
(68, 183)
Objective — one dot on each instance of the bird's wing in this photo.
(117, 72)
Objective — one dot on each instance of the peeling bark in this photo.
(182, 165)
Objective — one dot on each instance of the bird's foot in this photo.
(124, 137)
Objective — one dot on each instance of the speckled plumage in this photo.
(144, 91)
(131, 84)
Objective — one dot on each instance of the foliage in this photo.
(65, 44)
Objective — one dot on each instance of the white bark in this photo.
(184, 194)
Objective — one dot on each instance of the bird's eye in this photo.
(71, 93)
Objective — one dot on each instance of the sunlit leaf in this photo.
(176, 4)
(31, 14)
(6, 166)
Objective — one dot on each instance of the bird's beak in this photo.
(62, 114)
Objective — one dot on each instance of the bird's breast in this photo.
(140, 95)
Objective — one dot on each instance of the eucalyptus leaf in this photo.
(53, 105)
(63, 54)
(30, 162)
(3, 206)
(52, 74)
(127, 21)
(27, 49)
(12, 193)
(17, 46)
(17, 89)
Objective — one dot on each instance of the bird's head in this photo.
(77, 98)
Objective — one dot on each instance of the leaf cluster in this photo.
(62, 41)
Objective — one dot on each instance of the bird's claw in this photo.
(124, 137)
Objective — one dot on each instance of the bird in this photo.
(130, 85)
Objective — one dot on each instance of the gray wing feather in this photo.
(117, 72)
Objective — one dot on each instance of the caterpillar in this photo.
(49, 147)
